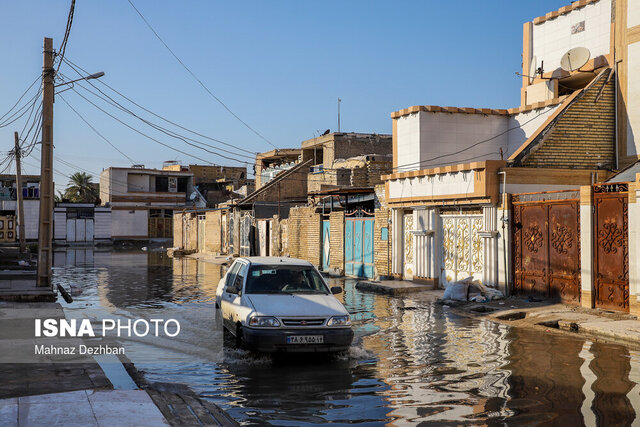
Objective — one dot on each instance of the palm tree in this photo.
(81, 189)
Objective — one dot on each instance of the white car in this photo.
(274, 304)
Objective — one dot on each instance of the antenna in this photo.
(339, 101)
(575, 58)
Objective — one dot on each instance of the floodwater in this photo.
(413, 361)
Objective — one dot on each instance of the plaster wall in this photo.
(432, 186)
(633, 100)
(553, 38)
(633, 13)
(130, 224)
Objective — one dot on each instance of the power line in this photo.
(167, 131)
(21, 96)
(74, 66)
(67, 31)
(139, 132)
(197, 79)
(96, 131)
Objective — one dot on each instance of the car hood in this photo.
(296, 305)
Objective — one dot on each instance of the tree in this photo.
(80, 189)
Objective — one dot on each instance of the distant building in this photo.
(347, 160)
(216, 183)
(143, 200)
(8, 206)
(81, 223)
(271, 163)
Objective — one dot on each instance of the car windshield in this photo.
(284, 279)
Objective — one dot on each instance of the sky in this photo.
(279, 65)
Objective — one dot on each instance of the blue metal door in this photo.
(348, 248)
(326, 247)
(358, 247)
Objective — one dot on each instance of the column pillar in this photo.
(634, 246)
(396, 241)
(489, 235)
(586, 247)
(503, 242)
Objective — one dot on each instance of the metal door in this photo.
(407, 223)
(462, 251)
(546, 244)
(80, 230)
(71, 230)
(245, 232)
(201, 232)
(611, 247)
(326, 244)
(89, 230)
(358, 241)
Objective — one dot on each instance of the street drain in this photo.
(513, 316)
(550, 324)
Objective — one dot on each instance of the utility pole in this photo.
(19, 193)
(45, 227)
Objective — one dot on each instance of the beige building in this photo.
(516, 198)
(142, 200)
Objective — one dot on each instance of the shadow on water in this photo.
(413, 361)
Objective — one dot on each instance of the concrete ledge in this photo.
(394, 287)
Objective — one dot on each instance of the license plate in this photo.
(305, 339)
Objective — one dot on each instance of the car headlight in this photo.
(339, 321)
(263, 321)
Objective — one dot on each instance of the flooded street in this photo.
(413, 361)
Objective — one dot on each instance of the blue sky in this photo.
(279, 65)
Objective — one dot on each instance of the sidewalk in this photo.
(82, 408)
(211, 258)
(550, 315)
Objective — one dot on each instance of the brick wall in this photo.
(382, 248)
(213, 232)
(583, 137)
(336, 245)
(304, 224)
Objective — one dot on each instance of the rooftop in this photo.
(562, 11)
(331, 136)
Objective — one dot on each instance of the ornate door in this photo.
(408, 269)
(546, 244)
(462, 251)
(611, 246)
(326, 244)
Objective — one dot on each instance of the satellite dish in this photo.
(532, 69)
(575, 58)
(193, 196)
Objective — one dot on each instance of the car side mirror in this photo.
(336, 290)
(232, 289)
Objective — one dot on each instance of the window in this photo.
(162, 184)
(239, 279)
(231, 275)
(265, 279)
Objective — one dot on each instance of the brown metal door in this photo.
(531, 249)
(547, 246)
(611, 247)
(564, 251)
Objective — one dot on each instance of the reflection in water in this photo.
(412, 360)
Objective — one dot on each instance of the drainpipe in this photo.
(504, 240)
(616, 111)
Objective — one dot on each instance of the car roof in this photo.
(273, 260)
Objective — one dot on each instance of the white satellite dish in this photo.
(575, 58)
(533, 66)
(193, 196)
